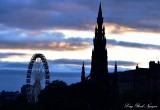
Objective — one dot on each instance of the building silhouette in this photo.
(23, 89)
(140, 79)
(99, 64)
(8, 96)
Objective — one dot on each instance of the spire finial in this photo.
(100, 10)
(115, 63)
(115, 67)
(83, 62)
(83, 73)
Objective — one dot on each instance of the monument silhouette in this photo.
(99, 64)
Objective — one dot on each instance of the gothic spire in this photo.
(100, 19)
(100, 11)
(115, 72)
(115, 82)
(83, 66)
(115, 67)
(83, 73)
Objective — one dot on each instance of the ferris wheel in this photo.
(37, 77)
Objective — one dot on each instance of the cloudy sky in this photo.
(63, 30)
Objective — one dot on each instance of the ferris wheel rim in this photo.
(29, 71)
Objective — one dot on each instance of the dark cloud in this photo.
(77, 62)
(55, 14)
(44, 41)
(87, 62)
(10, 54)
(54, 66)
(62, 65)
(112, 42)
(56, 41)
(122, 63)
(14, 65)
(142, 15)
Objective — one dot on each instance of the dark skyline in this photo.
(66, 31)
